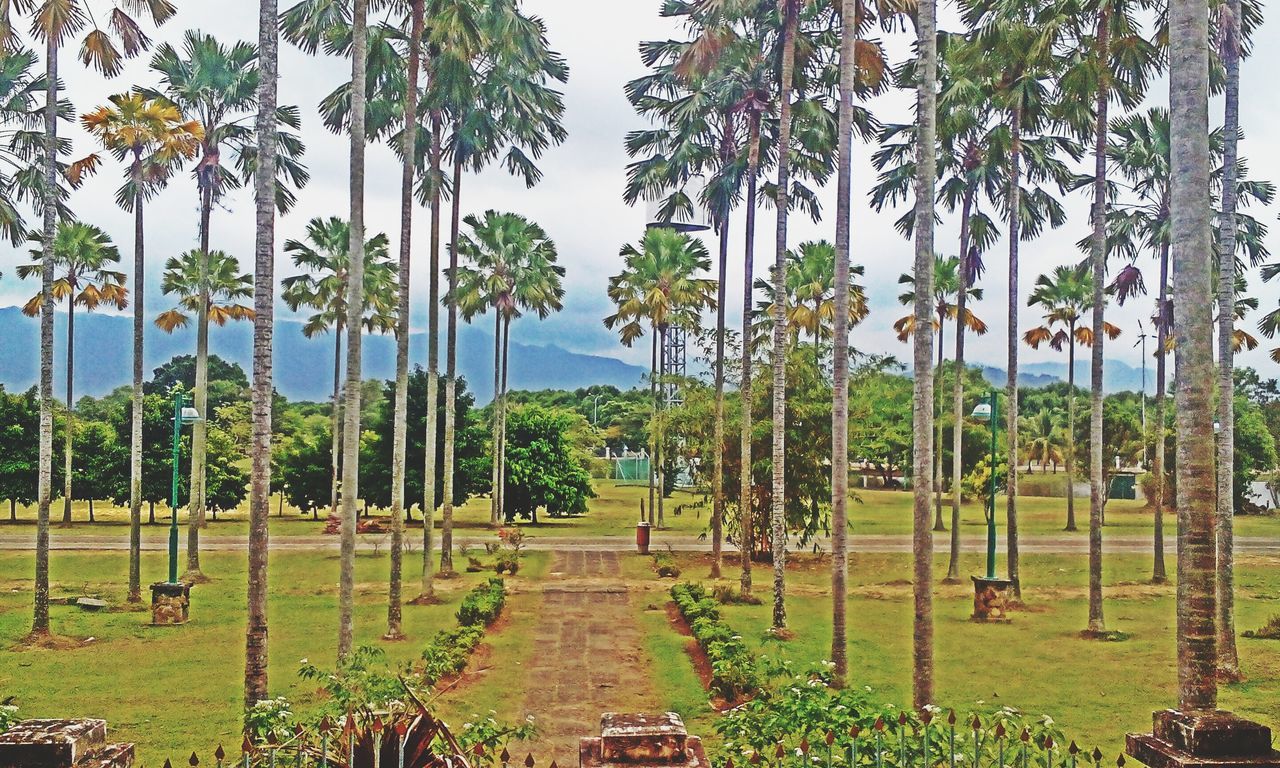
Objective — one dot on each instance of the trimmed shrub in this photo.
(447, 653)
(734, 672)
(482, 605)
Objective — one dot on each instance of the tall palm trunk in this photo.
(1098, 258)
(660, 450)
(778, 534)
(722, 273)
(335, 419)
(745, 501)
(40, 610)
(71, 407)
(1158, 572)
(1011, 384)
(400, 425)
(922, 450)
(135, 419)
(428, 594)
(502, 422)
(840, 353)
(451, 374)
(355, 315)
(938, 523)
(495, 509)
(1193, 329)
(1228, 657)
(653, 426)
(255, 669)
(957, 393)
(199, 431)
(1070, 458)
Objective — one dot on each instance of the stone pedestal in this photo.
(990, 599)
(1203, 740)
(644, 740)
(62, 744)
(170, 604)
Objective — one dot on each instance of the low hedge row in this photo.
(734, 672)
(482, 604)
(447, 653)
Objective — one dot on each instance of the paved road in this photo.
(1055, 543)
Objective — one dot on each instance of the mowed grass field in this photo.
(616, 509)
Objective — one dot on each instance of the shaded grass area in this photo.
(1095, 690)
(178, 689)
(617, 508)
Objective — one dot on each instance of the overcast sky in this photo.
(579, 201)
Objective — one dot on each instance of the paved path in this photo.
(588, 656)
(24, 539)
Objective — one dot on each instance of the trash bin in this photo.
(643, 530)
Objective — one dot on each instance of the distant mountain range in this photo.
(1117, 376)
(303, 367)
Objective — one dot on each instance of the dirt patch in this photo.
(51, 642)
(697, 656)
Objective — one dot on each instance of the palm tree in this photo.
(209, 287)
(323, 288)
(153, 137)
(265, 194)
(82, 259)
(1065, 295)
(810, 299)
(20, 87)
(55, 26)
(951, 290)
(511, 269)
(1191, 249)
(1044, 434)
(658, 286)
(922, 396)
(216, 85)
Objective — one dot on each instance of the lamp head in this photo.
(982, 412)
(190, 415)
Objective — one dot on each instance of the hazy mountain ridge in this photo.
(303, 367)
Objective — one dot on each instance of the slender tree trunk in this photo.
(1098, 258)
(778, 535)
(40, 610)
(1193, 329)
(255, 674)
(199, 430)
(135, 418)
(938, 524)
(660, 442)
(355, 314)
(957, 393)
(653, 426)
(495, 511)
(335, 419)
(400, 425)
(1011, 384)
(1158, 572)
(1228, 657)
(451, 377)
(67, 438)
(840, 352)
(1070, 458)
(922, 450)
(745, 501)
(502, 423)
(722, 273)
(428, 594)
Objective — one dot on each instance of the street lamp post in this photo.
(989, 592)
(184, 414)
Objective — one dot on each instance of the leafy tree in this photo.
(544, 471)
(228, 383)
(880, 419)
(19, 448)
(1254, 453)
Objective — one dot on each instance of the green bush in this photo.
(447, 653)
(482, 605)
(734, 671)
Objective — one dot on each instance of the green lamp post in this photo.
(989, 412)
(184, 414)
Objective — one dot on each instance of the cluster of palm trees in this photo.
(1003, 111)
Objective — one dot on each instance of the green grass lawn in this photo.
(1095, 690)
(617, 507)
(178, 689)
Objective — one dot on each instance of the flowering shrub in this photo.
(8, 716)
